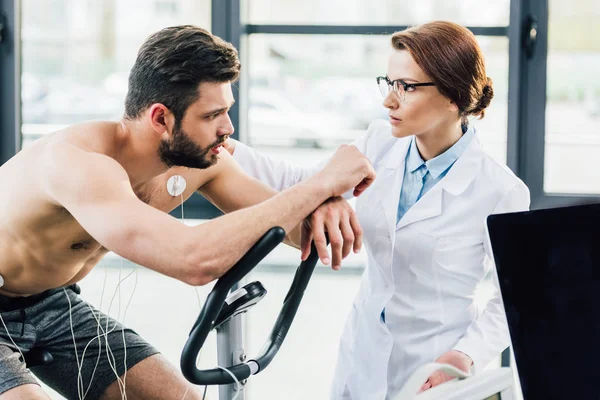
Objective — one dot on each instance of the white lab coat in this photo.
(423, 271)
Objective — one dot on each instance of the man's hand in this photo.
(337, 218)
(347, 169)
(454, 358)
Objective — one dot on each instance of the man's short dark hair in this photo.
(172, 63)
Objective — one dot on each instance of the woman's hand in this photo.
(454, 358)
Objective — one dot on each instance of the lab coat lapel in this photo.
(390, 182)
(428, 206)
(455, 182)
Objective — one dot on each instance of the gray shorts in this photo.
(43, 321)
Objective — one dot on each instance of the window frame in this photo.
(10, 82)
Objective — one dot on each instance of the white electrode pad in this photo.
(176, 185)
(1, 281)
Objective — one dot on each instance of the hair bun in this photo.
(484, 101)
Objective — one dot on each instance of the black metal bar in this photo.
(225, 23)
(533, 101)
(288, 311)
(10, 78)
(505, 360)
(516, 69)
(354, 29)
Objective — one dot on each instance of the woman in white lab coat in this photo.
(423, 219)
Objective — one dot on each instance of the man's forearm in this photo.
(220, 243)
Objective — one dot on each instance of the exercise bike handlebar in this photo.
(215, 300)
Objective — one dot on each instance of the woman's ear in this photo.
(452, 107)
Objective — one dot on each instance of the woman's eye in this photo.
(410, 88)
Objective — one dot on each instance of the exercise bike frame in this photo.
(229, 334)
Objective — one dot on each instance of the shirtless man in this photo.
(76, 194)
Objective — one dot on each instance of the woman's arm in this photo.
(277, 174)
(488, 335)
(281, 174)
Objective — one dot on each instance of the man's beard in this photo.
(181, 151)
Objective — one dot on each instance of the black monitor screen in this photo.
(548, 264)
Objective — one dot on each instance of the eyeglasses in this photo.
(399, 86)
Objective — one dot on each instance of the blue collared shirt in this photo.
(420, 176)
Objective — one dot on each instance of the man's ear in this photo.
(161, 119)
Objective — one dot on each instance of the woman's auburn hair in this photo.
(450, 55)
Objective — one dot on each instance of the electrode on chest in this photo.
(176, 185)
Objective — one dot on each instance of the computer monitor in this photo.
(548, 264)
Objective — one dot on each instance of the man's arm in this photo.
(231, 189)
(99, 195)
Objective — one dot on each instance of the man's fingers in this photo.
(347, 236)
(358, 232)
(318, 232)
(335, 239)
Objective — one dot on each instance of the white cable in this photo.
(105, 332)
(110, 356)
(79, 381)
(182, 217)
(123, 391)
(238, 385)
(123, 326)
(98, 336)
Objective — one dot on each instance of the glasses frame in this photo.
(394, 85)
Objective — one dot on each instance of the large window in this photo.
(555, 95)
(76, 55)
(309, 93)
(376, 12)
(573, 98)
